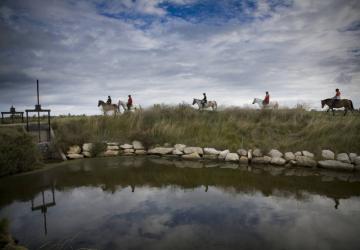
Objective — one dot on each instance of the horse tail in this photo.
(215, 105)
(351, 104)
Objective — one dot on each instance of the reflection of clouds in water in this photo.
(156, 218)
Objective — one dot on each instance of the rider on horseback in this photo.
(266, 100)
(108, 100)
(336, 97)
(129, 102)
(204, 100)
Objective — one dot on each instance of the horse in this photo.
(108, 107)
(271, 105)
(209, 104)
(133, 108)
(342, 103)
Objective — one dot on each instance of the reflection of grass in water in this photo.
(289, 129)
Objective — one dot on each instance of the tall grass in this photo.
(232, 128)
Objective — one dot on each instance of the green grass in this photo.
(18, 153)
(233, 128)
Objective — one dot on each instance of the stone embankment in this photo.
(327, 160)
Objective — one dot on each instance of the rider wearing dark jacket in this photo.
(108, 100)
(204, 100)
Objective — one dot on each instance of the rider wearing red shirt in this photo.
(129, 102)
(266, 99)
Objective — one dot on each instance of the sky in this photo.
(171, 51)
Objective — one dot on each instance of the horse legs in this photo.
(333, 111)
(345, 111)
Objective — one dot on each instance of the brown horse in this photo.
(108, 107)
(342, 103)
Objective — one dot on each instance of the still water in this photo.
(149, 203)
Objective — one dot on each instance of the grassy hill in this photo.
(233, 128)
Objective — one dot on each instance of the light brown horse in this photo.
(342, 103)
(108, 107)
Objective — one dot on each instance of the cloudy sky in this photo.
(170, 51)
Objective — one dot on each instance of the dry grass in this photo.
(287, 130)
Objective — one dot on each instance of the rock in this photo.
(244, 160)
(267, 159)
(112, 147)
(190, 150)
(332, 164)
(289, 156)
(357, 161)
(160, 151)
(87, 154)
(126, 146)
(129, 150)
(177, 152)
(75, 149)
(111, 153)
(223, 154)
(258, 160)
(180, 147)
(352, 157)
(167, 145)
(140, 152)
(327, 154)
(87, 147)
(298, 153)
(74, 155)
(211, 151)
(250, 154)
(232, 157)
(242, 152)
(137, 145)
(305, 161)
(274, 153)
(112, 143)
(308, 154)
(343, 157)
(210, 157)
(257, 153)
(191, 156)
(278, 161)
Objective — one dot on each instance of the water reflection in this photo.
(141, 203)
(43, 207)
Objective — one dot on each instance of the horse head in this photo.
(322, 103)
(194, 101)
(100, 102)
(254, 101)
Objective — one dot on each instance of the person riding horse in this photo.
(204, 100)
(336, 97)
(266, 100)
(129, 102)
(108, 100)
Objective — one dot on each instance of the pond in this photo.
(153, 203)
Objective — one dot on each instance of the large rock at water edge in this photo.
(278, 161)
(250, 154)
(232, 157)
(111, 153)
(243, 160)
(308, 154)
(126, 146)
(112, 147)
(87, 154)
(332, 164)
(180, 147)
(140, 152)
(190, 150)
(160, 151)
(242, 152)
(298, 153)
(211, 151)
(137, 145)
(129, 150)
(223, 154)
(74, 156)
(177, 152)
(192, 156)
(305, 161)
(352, 157)
(289, 156)
(75, 149)
(257, 153)
(87, 147)
(343, 157)
(327, 154)
(274, 153)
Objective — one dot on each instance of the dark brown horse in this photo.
(342, 103)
